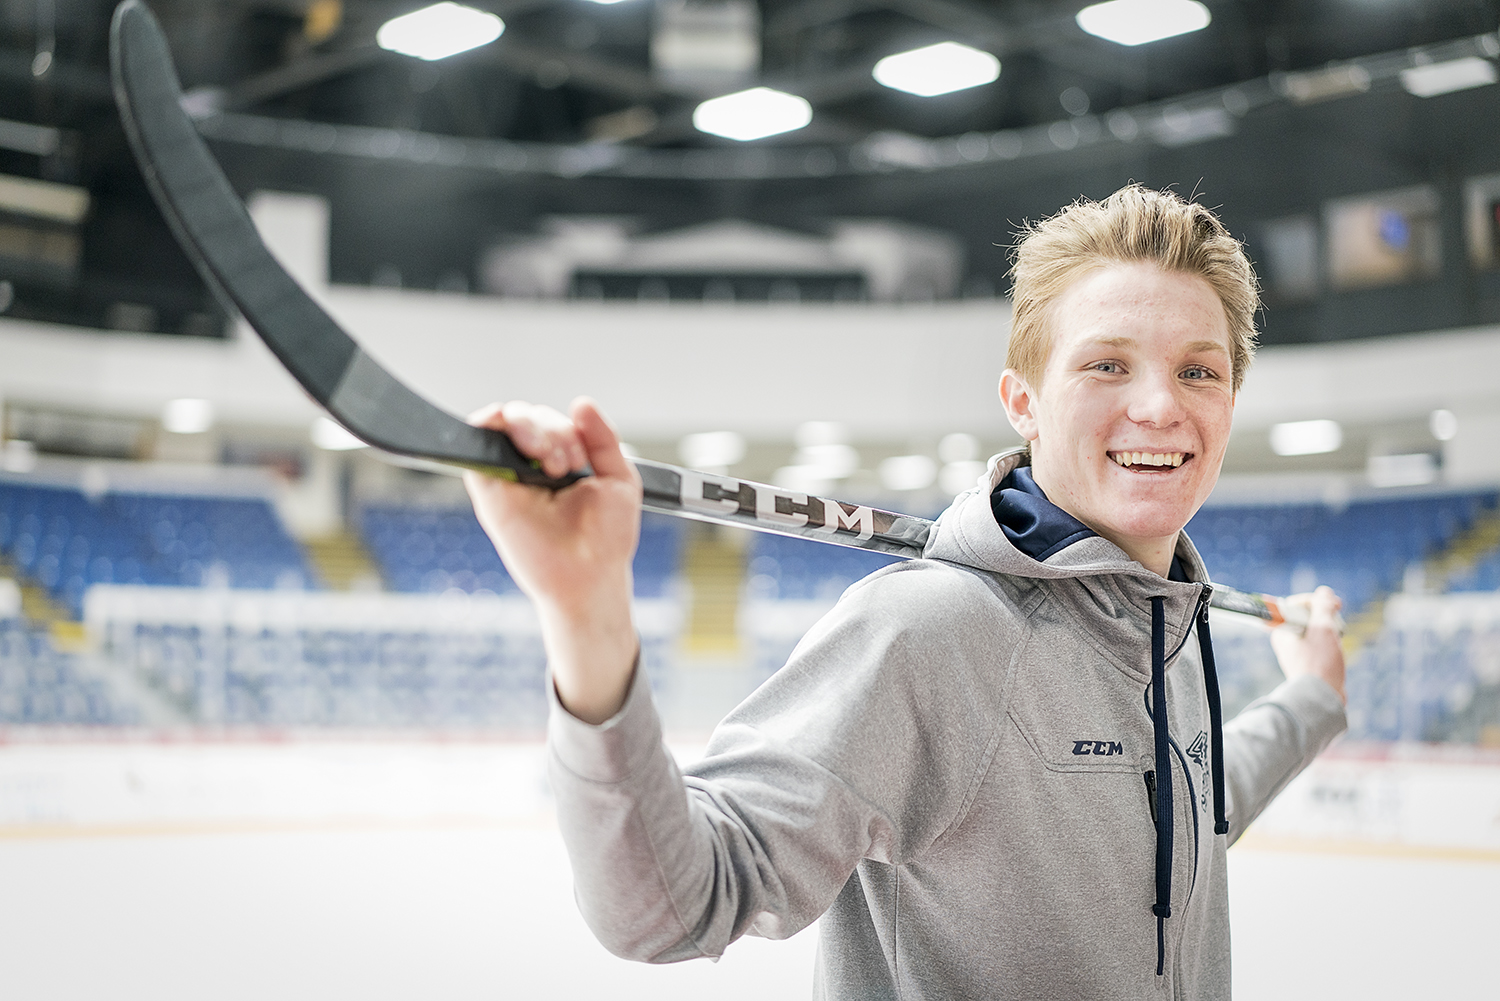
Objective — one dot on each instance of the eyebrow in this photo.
(1196, 347)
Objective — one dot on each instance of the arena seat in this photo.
(424, 550)
(1484, 575)
(39, 685)
(437, 661)
(1361, 550)
(68, 542)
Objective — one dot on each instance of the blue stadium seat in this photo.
(1361, 550)
(791, 569)
(68, 542)
(426, 550)
(40, 686)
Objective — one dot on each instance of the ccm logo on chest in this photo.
(1104, 747)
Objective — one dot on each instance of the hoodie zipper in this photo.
(1155, 792)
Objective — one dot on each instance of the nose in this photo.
(1155, 401)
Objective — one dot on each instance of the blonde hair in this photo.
(1133, 224)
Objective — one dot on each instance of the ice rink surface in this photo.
(450, 907)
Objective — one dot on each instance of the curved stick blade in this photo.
(212, 225)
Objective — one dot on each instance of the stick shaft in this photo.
(761, 507)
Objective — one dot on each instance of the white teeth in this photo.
(1150, 458)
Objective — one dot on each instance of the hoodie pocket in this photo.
(1084, 744)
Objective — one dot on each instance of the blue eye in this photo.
(1197, 372)
(1107, 366)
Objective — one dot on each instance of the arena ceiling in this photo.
(565, 70)
(1270, 110)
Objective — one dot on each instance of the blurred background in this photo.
(271, 707)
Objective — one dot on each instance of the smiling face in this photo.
(1129, 425)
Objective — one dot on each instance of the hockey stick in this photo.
(217, 234)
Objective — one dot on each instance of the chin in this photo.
(1152, 518)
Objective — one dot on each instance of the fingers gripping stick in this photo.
(211, 223)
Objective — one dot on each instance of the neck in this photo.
(1153, 554)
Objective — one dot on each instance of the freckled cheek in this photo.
(1218, 433)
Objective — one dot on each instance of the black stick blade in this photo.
(214, 229)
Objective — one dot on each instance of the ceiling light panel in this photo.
(187, 416)
(752, 114)
(437, 32)
(1306, 437)
(1447, 77)
(43, 199)
(1136, 22)
(937, 69)
(1411, 470)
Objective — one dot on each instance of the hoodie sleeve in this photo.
(867, 744)
(1272, 740)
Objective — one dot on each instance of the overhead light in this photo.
(1325, 84)
(1136, 22)
(43, 199)
(712, 450)
(752, 114)
(331, 436)
(17, 456)
(187, 416)
(1443, 424)
(907, 472)
(1306, 437)
(1411, 470)
(1444, 78)
(437, 32)
(937, 69)
(24, 137)
(811, 433)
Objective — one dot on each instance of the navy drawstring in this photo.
(1163, 906)
(1215, 715)
(1162, 813)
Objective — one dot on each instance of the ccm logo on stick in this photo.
(1105, 747)
(724, 496)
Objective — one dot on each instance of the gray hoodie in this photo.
(951, 771)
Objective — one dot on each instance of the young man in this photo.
(997, 772)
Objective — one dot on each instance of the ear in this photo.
(1020, 404)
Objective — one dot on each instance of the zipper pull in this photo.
(1151, 793)
(1208, 592)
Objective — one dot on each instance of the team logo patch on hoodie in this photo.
(1197, 750)
(1104, 747)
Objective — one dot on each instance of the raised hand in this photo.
(570, 550)
(1315, 650)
